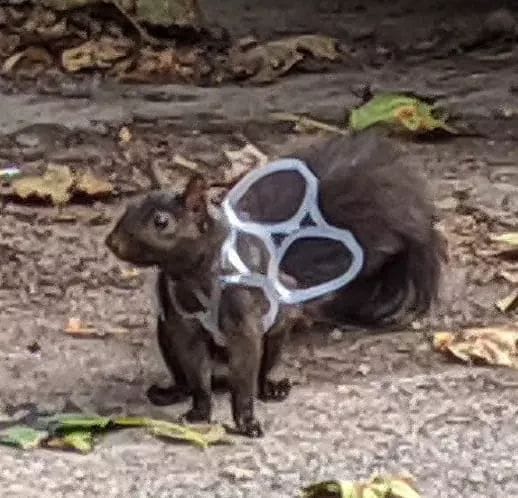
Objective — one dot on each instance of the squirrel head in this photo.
(162, 228)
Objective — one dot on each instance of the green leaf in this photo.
(22, 436)
(407, 112)
(66, 422)
(401, 489)
(369, 492)
(169, 430)
(82, 441)
(132, 421)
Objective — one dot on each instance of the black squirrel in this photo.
(364, 187)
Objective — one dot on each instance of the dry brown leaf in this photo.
(34, 58)
(87, 183)
(266, 62)
(124, 135)
(55, 184)
(491, 345)
(168, 64)
(95, 54)
(509, 302)
(58, 184)
(242, 161)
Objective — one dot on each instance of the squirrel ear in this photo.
(194, 194)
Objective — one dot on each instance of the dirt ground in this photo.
(364, 402)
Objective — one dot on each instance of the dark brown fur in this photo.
(364, 187)
(184, 251)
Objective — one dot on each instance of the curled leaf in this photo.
(491, 346)
(266, 62)
(405, 112)
(34, 58)
(169, 430)
(95, 54)
(81, 441)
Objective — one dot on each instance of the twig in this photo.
(308, 122)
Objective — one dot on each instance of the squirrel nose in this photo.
(111, 242)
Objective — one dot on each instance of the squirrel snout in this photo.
(115, 244)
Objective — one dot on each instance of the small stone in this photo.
(363, 369)
(337, 335)
(237, 473)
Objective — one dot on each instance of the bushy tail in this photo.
(367, 189)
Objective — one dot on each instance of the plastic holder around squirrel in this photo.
(291, 230)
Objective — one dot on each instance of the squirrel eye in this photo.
(161, 220)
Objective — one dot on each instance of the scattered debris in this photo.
(491, 345)
(77, 431)
(400, 111)
(378, 487)
(68, 36)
